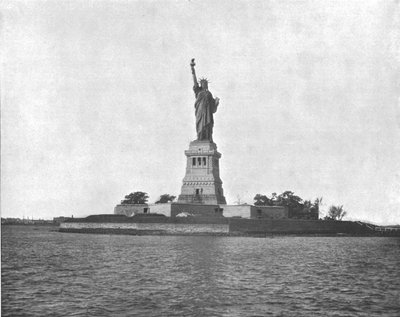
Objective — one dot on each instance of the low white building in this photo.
(228, 211)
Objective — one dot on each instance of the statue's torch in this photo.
(192, 65)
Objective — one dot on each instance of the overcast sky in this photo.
(97, 101)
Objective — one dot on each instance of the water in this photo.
(48, 273)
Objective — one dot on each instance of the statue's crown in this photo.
(203, 80)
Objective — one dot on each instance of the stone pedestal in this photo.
(202, 184)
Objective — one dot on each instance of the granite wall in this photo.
(291, 226)
(162, 209)
(269, 212)
(242, 211)
(209, 225)
(196, 209)
(173, 209)
(257, 212)
(130, 210)
(166, 228)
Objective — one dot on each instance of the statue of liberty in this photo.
(205, 105)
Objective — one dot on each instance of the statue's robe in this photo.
(205, 106)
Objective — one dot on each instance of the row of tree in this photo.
(298, 208)
(142, 198)
(336, 213)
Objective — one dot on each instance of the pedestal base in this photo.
(202, 184)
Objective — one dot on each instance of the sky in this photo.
(97, 102)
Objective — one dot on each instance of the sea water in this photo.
(47, 273)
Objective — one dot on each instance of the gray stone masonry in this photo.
(202, 184)
(131, 209)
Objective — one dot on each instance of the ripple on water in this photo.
(47, 273)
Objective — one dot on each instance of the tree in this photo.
(262, 200)
(336, 213)
(317, 203)
(307, 206)
(165, 199)
(135, 198)
(288, 198)
(297, 208)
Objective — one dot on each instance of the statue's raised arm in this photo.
(192, 65)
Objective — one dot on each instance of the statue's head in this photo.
(204, 83)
